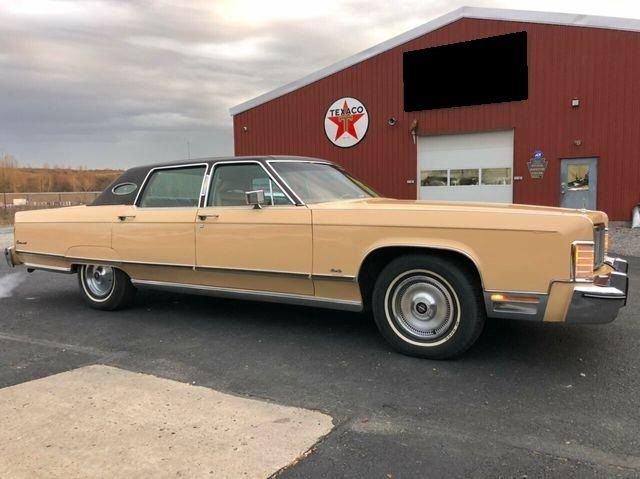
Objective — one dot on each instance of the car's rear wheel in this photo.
(428, 306)
(104, 287)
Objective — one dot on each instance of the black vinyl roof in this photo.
(137, 175)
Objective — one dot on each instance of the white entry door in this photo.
(466, 167)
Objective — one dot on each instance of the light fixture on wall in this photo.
(245, 129)
(392, 121)
(575, 102)
(413, 130)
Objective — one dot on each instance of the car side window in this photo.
(173, 188)
(230, 183)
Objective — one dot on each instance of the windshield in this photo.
(319, 182)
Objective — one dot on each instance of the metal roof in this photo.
(567, 19)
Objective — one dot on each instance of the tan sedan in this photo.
(303, 231)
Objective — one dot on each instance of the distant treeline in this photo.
(14, 179)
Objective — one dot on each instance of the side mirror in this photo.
(255, 198)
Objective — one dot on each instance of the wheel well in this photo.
(379, 258)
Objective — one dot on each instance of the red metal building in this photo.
(574, 140)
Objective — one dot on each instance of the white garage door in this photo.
(469, 167)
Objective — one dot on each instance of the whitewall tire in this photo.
(428, 306)
(104, 287)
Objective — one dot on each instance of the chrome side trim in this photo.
(330, 277)
(253, 295)
(143, 185)
(138, 263)
(50, 255)
(53, 269)
(103, 261)
(221, 269)
(247, 162)
(521, 293)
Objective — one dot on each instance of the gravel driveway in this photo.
(624, 241)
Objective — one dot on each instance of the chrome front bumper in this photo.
(599, 303)
(8, 256)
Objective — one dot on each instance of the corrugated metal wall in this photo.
(600, 67)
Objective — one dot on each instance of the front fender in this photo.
(445, 246)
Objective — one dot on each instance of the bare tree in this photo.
(7, 160)
(8, 165)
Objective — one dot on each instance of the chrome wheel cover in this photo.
(422, 307)
(98, 281)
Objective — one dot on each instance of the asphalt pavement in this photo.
(527, 400)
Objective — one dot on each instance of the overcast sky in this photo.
(114, 83)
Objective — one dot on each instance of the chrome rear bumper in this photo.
(8, 256)
(599, 303)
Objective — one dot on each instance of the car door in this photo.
(156, 236)
(243, 247)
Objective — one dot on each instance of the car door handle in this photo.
(124, 217)
(204, 217)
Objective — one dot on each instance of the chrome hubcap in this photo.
(98, 280)
(423, 306)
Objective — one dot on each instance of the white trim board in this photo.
(526, 16)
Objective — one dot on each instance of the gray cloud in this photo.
(117, 82)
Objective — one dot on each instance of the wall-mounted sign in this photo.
(346, 122)
(537, 165)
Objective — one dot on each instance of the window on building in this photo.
(578, 177)
(434, 178)
(496, 176)
(467, 177)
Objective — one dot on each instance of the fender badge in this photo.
(21, 243)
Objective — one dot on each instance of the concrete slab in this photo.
(100, 421)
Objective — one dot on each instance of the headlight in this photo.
(583, 260)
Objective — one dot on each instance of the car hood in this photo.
(461, 206)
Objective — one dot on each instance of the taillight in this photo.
(583, 260)
(606, 242)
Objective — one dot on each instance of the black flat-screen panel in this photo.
(489, 70)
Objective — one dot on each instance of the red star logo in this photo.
(346, 122)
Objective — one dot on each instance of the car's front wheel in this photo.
(428, 306)
(104, 287)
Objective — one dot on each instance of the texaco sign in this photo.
(346, 122)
